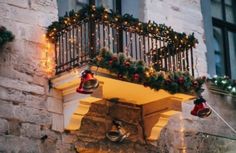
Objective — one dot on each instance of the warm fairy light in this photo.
(47, 62)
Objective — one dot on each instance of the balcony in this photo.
(80, 37)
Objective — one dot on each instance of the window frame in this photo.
(225, 26)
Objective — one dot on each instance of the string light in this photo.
(47, 63)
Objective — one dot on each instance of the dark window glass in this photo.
(109, 4)
(230, 8)
(68, 5)
(219, 51)
(224, 30)
(232, 53)
(216, 9)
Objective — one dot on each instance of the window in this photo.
(224, 32)
(67, 5)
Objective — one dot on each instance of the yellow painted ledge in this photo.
(157, 106)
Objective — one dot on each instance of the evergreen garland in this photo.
(5, 36)
(124, 22)
(137, 72)
(225, 84)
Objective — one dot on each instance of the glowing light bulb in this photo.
(224, 81)
(234, 90)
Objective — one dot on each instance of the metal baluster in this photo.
(192, 66)
(187, 59)
(131, 42)
(136, 46)
(77, 45)
(144, 49)
(82, 45)
(126, 42)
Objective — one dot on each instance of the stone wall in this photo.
(26, 111)
(182, 16)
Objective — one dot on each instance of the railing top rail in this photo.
(125, 22)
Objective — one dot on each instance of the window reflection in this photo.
(232, 53)
(219, 52)
(68, 5)
(216, 9)
(230, 8)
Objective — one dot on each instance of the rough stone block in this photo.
(47, 6)
(130, 114)
(66, 138)
(21, 85)
(55, 93)
(30, 130)
(33, 115)
(55, 105)
(58, 122)
(93, 127)
(4, 127)
(36, 101)
(21, 4)
(6, 110)
(14, 127)
(10, 143)
(12, 95)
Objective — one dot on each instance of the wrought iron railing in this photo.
(80, 41)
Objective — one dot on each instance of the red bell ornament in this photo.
(82, 90)
(200, 109)
(88, 83)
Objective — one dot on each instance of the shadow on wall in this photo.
(98, 121)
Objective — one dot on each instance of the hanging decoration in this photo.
(126, 22)
(5, 36)
(225, 84)
(88, 83)
(137, 72)
(117, 132)
(200, 108)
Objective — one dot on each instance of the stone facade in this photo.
(31, 116)
(27, 112)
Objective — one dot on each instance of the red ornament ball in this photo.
(136, 77)
(181, 80)
(127, 63)
(110, 62)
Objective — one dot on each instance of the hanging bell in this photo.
(200, 109)
(82, 90)
(117, 132)
(89, 82)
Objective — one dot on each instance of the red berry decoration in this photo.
(136, 77)
(181, 80)
(127, 63)
(114, 58)
(110, 62)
